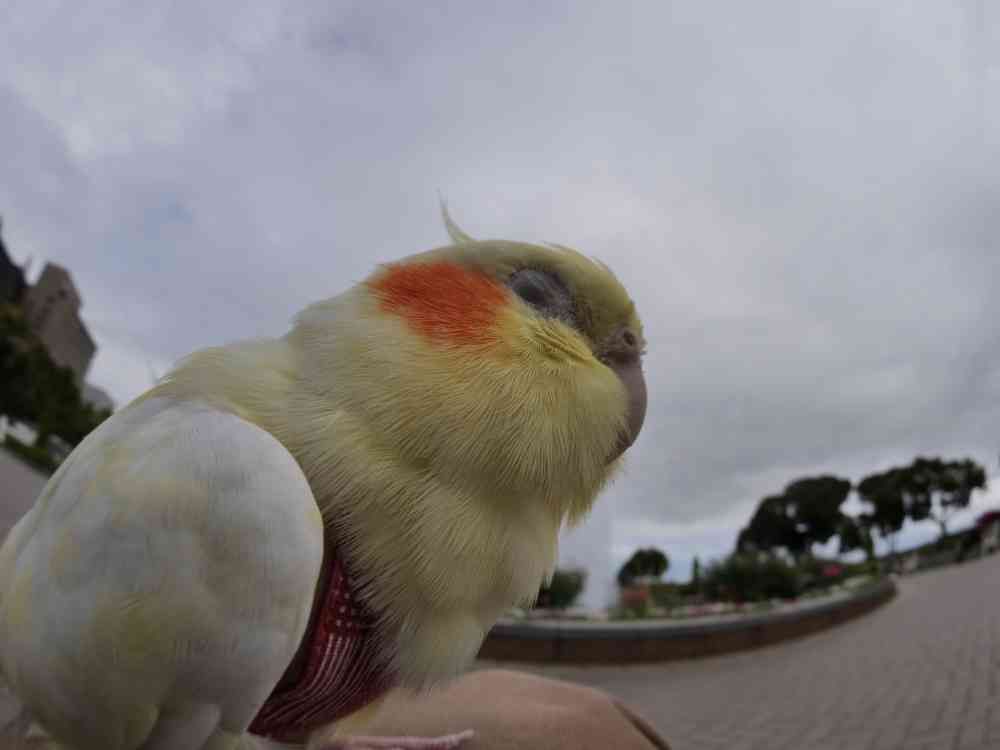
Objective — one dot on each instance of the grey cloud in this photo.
(800, 197)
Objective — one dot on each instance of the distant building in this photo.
(52, 311)
(12, 283)
(97, 397)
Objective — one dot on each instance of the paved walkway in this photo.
(920, 672)
(19, 486)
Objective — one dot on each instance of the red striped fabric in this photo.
(341, 675)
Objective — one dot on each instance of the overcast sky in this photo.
(802, 199)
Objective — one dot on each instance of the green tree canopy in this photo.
(747, 577)
(563, 589)
(644, 562)
(855, 533)
(806, 513)
(35, 389)
(927, 489)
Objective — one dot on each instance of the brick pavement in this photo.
(923, 671)
(19, 486)
(920, 672)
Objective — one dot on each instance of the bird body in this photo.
(155, 572)
(425, 433)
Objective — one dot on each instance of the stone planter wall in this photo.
(667, 640)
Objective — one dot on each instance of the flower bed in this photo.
(684, 611)
(663, 639)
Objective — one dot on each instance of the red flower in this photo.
(635, 595)
(832, 570)
(990, 516)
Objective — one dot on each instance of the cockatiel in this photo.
(282, 530)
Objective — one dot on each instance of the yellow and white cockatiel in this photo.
(284, 529)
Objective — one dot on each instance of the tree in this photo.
(644, 562)
(563, 589)
(806, 513)
(771, 527)
(855, 533)
(57, 400)
(938, 488)
(883, 492)
(816, 505)
(693, 587)
(927, 489)
(16, 393)
(35, 389)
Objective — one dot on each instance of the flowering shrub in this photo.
(832, 570)
(751, 578)
(635, 599)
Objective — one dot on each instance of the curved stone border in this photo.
(659, 640)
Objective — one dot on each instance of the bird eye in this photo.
(532, 286)
(545, 292)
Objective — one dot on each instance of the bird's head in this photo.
(508, 369)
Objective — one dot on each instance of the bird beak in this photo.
(626, 362)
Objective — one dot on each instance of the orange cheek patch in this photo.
(443, 301)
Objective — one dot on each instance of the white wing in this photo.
(162, 582)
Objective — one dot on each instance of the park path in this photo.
(19, 486)
(921, 672)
